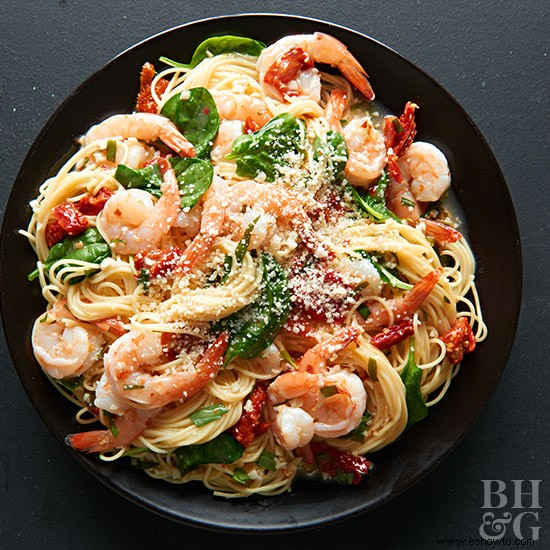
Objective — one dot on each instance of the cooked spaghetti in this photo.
(253, 274)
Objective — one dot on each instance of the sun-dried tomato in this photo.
(333, 462)
(145, 102)
(159, 262)
(92, 205)
(286, 68)
(68, 220)
(393, 335)
(251, 425)
(459, 340)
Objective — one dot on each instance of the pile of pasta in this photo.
(302, 255)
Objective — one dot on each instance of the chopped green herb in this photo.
(137, 464)
(71, 383)
(446, 300)
(373, 369)
(344, 477)
(397, 125)
(407, 202)
(364, 311)
(359, 433)
(327, 391)
(240, 476)
(208, 414)
(266, 460)
(128, 387)
(227, 266)
(112, 425)
(242, 246)
(144, 279)
(110, 151)
(172, 63)
(135, 451)
(285, 356)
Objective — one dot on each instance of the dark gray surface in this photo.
(492, 56)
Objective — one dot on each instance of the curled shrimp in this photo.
(131, 357)
(126, 429)
(239, 113)
(241, 107)
(332, 413)
(287, 67)
(426, 171)
(131, 221)
(366, 147)
(63, 347)
(143, 126)
(270, 203)
(404, 306)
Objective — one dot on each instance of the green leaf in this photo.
(196, 118)
(143, 279)
(112, 425)
(194, 179)
(254, 327)
(411, 377)
(244, 243)
(148, 178)
(264, 150)
(217, 45)
(344, 477)
(285, 356)
(335, 151)
(240, 476)
(227, 266)
(385, 274)
(364, 311)
(89, 246)
(208, 414)
(266, 460)
(376, 209)
(223, 449)
(359, 433)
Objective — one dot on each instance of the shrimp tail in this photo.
(179, 144)
(91, 442)
(353, 71)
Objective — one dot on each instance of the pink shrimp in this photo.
(404, 306)
(262, 198)
(127, 428)
(366, 148)
(298, 406)
(126, 365)
(287, 67)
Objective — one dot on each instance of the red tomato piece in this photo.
(459, 340)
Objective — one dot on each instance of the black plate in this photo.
(477, 182)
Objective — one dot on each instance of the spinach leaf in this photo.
(217, 45)
(196, 118)
(411, 377)
(208, 414)
(335, 151)
(264, 150)
(148, 178)
(89, 246)
(254, 327)
(221, 450)
(374, 206)
(194, 178)
(385, 274)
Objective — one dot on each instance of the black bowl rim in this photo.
(277, 528)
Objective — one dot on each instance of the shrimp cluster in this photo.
(244, 276)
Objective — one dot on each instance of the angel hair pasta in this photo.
(252, 274)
